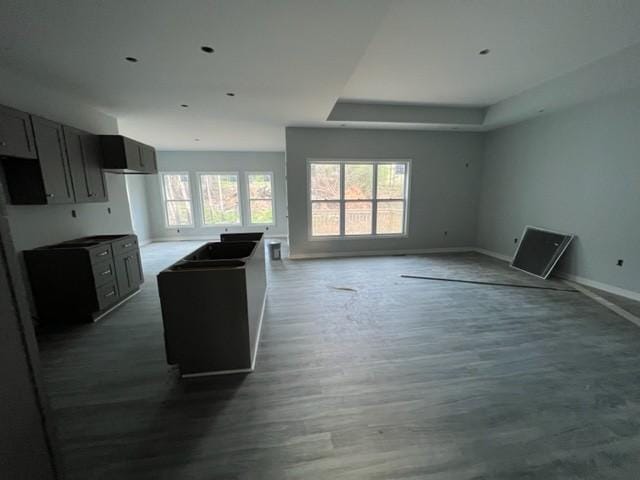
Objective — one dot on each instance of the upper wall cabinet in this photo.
(46, 180)
(85, 164)
(16, 134)
(124, 155)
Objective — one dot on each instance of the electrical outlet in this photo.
(109, 210)
(515, 240)
(74, 214)
(620, 262)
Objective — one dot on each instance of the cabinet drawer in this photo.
(125, 245)
(103, 272)
(107, 295)
(101, 253)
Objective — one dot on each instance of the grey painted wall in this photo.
(33, 226)
(207, 161)
(443, 191)
(576, 171)
(139, 207)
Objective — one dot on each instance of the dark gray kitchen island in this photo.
(212, 306)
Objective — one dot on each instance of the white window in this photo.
(177, 199)
(358, 198)
(260, 189)
(220, 197)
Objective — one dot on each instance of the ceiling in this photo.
(427, 51)
(289, 61)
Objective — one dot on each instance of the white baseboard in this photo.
(605, 287)
(375, 253)
(142, 243)
(489, 253)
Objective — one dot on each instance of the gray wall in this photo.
(33, 226)
(576, 171)
(139, 207)
(207, 161)
(443, 191)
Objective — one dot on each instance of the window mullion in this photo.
(342, 202)
(374, 201)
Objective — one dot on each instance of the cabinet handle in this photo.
(102, 254)
(50, 195)
(110, 294)
(106, 272)
(127, 245)
(91, 194)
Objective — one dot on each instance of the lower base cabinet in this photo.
(128, 272)
(80, 279)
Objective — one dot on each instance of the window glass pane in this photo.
(390, 217)
(358, 181)
(325, 181)
(179, 213)
(261, 211)
(325, 218)
(220, 199)
(357, 218)
(260, 186)
(176, 187)
(391, 180)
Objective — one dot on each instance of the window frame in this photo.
(165, 200)
(374, 200)
(202, 204)
(248, 197)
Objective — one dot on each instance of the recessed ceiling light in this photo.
(231, 94)
(131, 59)
(184, 105)
(207, 49)
(484, 52)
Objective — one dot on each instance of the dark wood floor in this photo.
(361, 374)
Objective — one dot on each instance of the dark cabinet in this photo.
(46, 180)
(128, 271)
(16, 134)
(80, 279)
(148, 158)
(124, 155)
(52, 156)
(85, 163)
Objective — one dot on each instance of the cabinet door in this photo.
(137, 276)
(16, 134)
(77, 168)
(53, 161)
(96, 183)
(128, 272)
(85, 165)
(148, 159)
(132, 154)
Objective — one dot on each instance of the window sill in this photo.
(312, 238)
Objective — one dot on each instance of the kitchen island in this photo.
(213, 302)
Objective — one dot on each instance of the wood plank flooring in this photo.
(361, 374)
